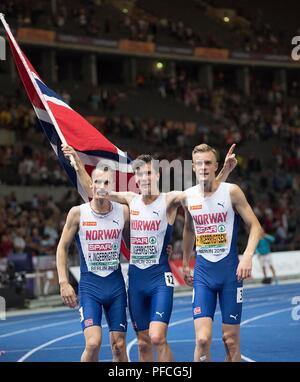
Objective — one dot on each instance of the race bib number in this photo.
(81, 313)
(239, 295)
(169, 278)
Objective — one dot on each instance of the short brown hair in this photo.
(204, 148)
(144, 159)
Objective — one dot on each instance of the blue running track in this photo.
(269, 331)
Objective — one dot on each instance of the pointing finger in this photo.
(231, 149)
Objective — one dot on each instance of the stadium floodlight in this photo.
(159, 65)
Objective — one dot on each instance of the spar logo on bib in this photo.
(152, 240)
(139, 240)
(209, 229)
(102, 247)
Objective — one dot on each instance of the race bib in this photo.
(214, 240)
(239, 295)
(169, 278)
(144, 250)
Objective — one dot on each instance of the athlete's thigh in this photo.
(162, 304)
(139, 309)
(203, 327)
(90, 310)
(204, 301)
(93, 333)
(231, 301)
(115, 312)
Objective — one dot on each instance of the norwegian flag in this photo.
(63, 125)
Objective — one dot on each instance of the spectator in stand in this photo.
(264, 255)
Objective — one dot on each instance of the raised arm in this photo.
(188, 246)
(86, 181)
(242, 206)
(84, 178)
(71, 227)
(229, 165)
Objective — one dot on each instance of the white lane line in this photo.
(264, 298)
(33, 329)
(42, 346)
(245, 307)
(175, 323)
(52, 348)
(28, 354)
(62, 322)
(190, 340)
(57, 324)
(272, 313)
(247, 359)
(130, 345)
(25, 321)
(273, 325)
(35, 311)
(134, 341)
(255, 318)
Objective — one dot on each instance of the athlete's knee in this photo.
(158, 339)
(93, 344)
(203, 340)
(231, 341)
(118, 346)
(144, 345)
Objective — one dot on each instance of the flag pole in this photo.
(16, 46)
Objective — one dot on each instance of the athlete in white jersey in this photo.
(151, 282)
(97, 227)
(212, 214)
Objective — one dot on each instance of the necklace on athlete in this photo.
(101, 214)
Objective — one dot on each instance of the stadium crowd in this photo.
(272, 190)
(99, 18)
(267, 116)
(34, 225)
